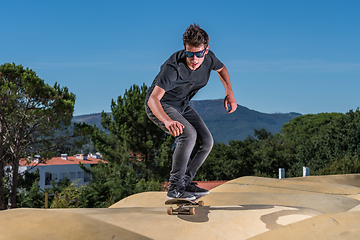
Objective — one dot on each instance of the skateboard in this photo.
(183, 205)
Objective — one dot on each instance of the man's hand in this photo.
(230, 99)
(175, 128)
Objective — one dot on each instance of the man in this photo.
(167, 105)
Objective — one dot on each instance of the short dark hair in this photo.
(195, 36)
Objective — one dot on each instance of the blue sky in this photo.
(282, 56)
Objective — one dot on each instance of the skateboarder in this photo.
(167, 105)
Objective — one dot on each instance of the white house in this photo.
(58, 168)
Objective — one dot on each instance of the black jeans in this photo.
(192, 146)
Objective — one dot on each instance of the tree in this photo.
(262, 134)
(32, 113)
(228, 161)
(112, 182)
(337, 148)
(273, 153)
(2, 193)
(29, 193)
(71, 191)
(130, 136)
(308, 126)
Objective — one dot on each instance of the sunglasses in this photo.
(197, 54)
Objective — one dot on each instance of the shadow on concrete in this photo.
(271, 219)
(202, 213)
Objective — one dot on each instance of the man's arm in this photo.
(175, 128)
(229, 98)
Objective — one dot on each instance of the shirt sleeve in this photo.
(166, 79)
(216, 63)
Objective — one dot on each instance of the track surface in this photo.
(315, 207)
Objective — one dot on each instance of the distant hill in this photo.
(239, 124)
(90, 119)
(224, 127)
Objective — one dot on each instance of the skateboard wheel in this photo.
(201, 203)
(169, 210)
(192, 211)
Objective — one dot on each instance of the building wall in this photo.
(59, 172)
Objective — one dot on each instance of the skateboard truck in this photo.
(183, 206)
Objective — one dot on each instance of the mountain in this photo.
(223, 126)
(239, 124)
(91, 119)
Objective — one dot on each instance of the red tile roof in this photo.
(208, 185)
(60, 161)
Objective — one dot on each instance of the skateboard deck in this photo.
(183, 205)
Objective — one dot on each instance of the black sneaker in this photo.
(174, 193)
(193, 189)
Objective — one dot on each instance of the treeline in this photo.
(110, 183)
(138, 154)
(327, 143)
